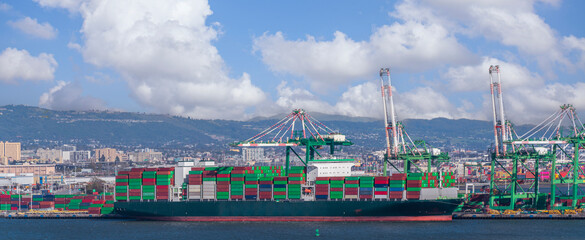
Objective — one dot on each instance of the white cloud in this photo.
(578, 45)
(293, 98)
(511, 23)
(164, 51)
(32, 27)
(411, 46)
(4, 7)
(365, 100)
(476, 77)
(20, 65)
(68, 96)
(528, 98)
(70, 5)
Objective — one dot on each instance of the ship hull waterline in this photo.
(290, 211)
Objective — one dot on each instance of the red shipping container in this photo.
(265, 182)
(223, 175)
(237, 179)
(121, 184)
(365, 196)
(135, 194)
(352, 181)
(336, 189)
(413, 184)
(337, 178)
(322, 178)
(148, 181)
(279, 193)
(236, 197)
(380, 193)
(251, 182)
(121, 194)
(296, 182)
(395, 194)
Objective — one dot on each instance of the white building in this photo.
(252, 154)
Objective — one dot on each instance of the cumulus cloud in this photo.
(476, 77)
(164, 51)
(411, 46)
(292, 98)
(32, 27)
(4, 6)
(578, 45)
(20, 65)
(70, 5)
(365, 100)
(511, 23)
(528, 98)
(68, 96)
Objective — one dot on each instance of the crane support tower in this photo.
(299, 129)
(400, 148)
(519, 163)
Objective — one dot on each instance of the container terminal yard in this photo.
(536, 174)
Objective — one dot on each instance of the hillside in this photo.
(35, 126)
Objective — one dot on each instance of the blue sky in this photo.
(240, 59)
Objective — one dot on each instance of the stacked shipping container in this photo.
(336, 187)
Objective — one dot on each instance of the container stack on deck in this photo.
(195, 180)
(265, 185)
(296, 177)
(149, 184)
(121, 190)
(237, 183)
(322, 188)
(351, 187)
(366, 187)
(449, 179)
(396, 185)
(413, 185)
(94, 203)
(164, 181)
(209, 183)
(4, 202)
(280, 184)
(430, 180)
(336, 187)
(381, 187)
(223, 183)
(135, 184)
(251, 187)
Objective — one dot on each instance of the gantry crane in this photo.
(400, 148)
(518, 161)
(298, 129)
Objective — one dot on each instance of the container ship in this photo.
(186, 193)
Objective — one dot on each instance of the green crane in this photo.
(299, 129)
(400, 148)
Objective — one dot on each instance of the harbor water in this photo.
(130, 229)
